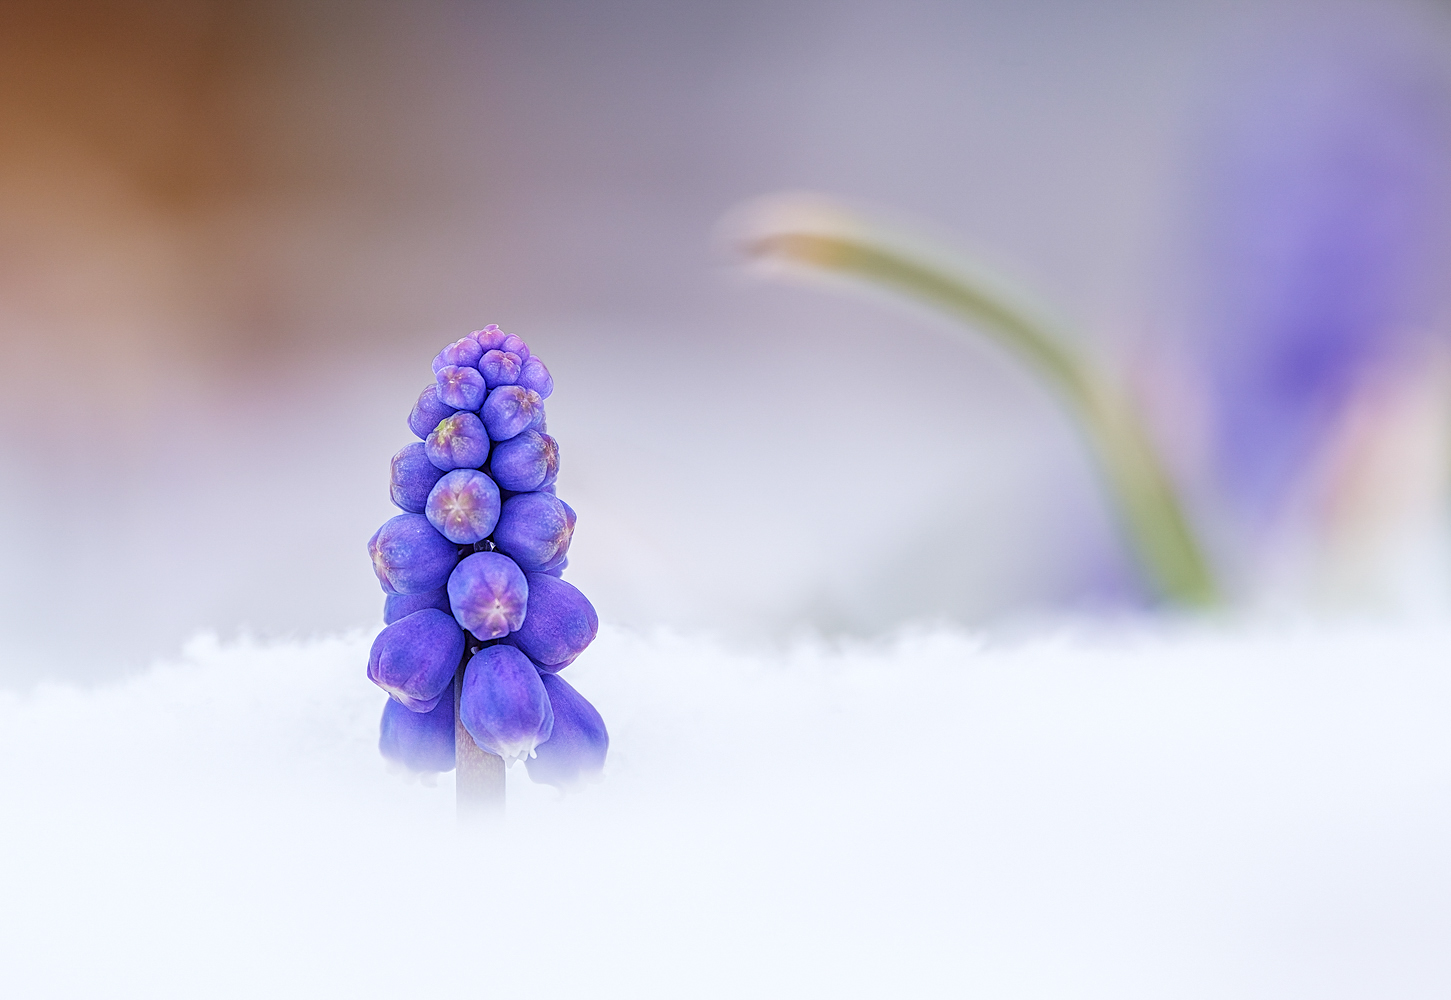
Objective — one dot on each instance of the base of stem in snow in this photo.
(479, 774)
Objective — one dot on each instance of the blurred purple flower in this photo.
(1325, 224)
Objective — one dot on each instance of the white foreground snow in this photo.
(1180, 814)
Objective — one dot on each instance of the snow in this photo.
(1186, 810)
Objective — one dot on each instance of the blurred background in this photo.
(236, 233)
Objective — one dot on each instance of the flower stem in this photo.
(478, 774)
(1148, 509)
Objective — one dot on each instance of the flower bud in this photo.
(535, 529)
(503, 704)
(577, 743)
(559, 622)
(514, 345)
(409, 556)
(420, 741)
(528, 461)
(464, 506)
(428, 411)
(411, 477)
(461, 388)
(415, 658)
(499, 368)
(489, 338)
(464, 353)
(458, 442)
(488, 594)
(535, 376)
(511, 409)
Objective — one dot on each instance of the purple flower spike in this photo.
(511, 409)
(461, 388)
(409, 556)
(499, 368)
(559, 623)
(488, 594)
(464, 506)
(420, 741)
(489, 338)
(412, 476)
(458, 442)
(504, 705)
(461, 569)
(396, 606)
(525, 462)
(576, 748)
(464, 353)
(415, 658)
(535, 376)
(515, 345)
(534, 528)
(428, 411)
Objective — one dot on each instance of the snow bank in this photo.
(1184, 813)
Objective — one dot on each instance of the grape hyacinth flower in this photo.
(458, 442)
(409, 556)
(558, 624)
(488, 594)
(415, 658)
(499, 368)
(534, 529)
(529, 461)
(490, 338)
(464, 506)
(461, 388)
(413, 476)
(478, 621)
(420, 741)
(504, 705)
(428, 411)
(575, 750)
(511, 409)
(535, 376)
(513, 345)
(463, 353)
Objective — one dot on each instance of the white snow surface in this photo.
(1178, 811)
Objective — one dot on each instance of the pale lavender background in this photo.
(205, 361)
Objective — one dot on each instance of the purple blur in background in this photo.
(1326, 182)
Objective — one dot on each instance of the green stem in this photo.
(1149, 512)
